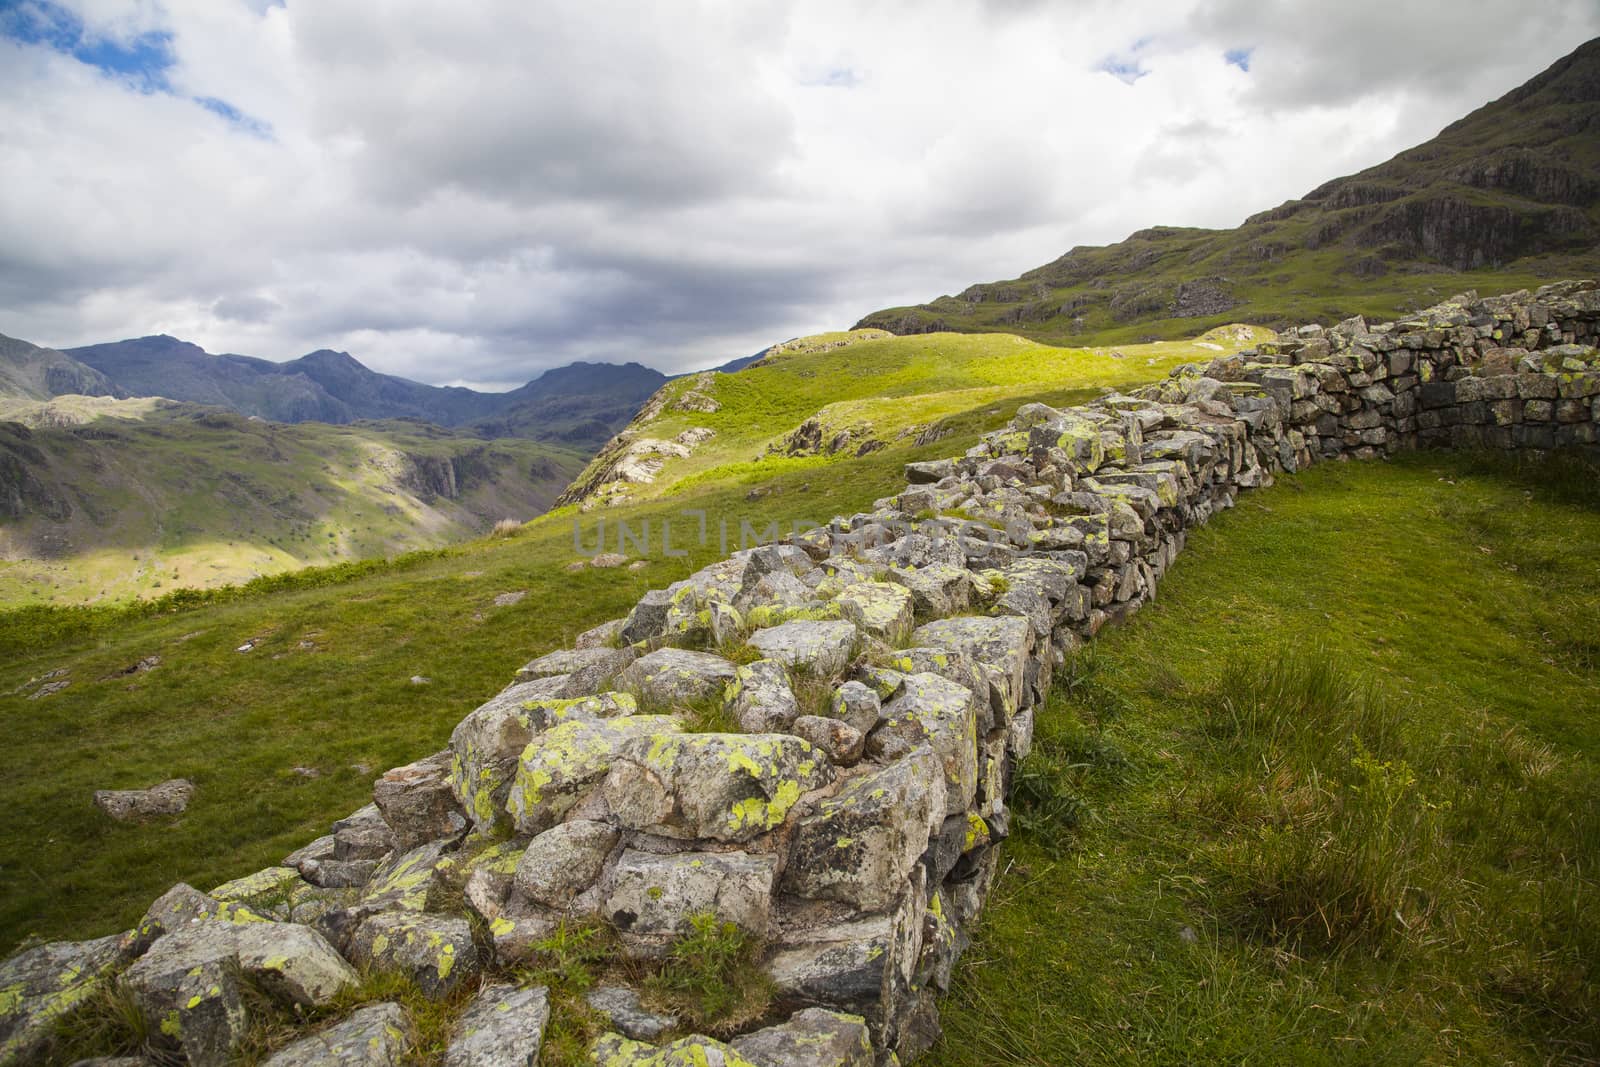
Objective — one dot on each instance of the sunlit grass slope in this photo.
(885, 390)
(1333, 799)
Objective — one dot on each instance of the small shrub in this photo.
(712, 977)
(569, 958)
(505, 528)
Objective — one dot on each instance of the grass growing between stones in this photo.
(1334, 798)
(712, 978)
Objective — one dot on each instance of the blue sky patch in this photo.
(1127, 70)
(1239, 57)
(238, 119)
(141, 61)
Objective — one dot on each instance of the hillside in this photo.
(1503, 198)
(804, 405)
(582, 404)
(28, 372)
(112, 499)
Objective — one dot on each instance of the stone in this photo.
(485, 745)
(418, 802)
(760, 697)
(627, 1015)
(180, 906)
(41, 984)
(489, 876)
(938, 712)
(563, 765)
(857, 705)
(675, 678)
(653, 898)
(271, 892)
(606, 635)
(842, 743)
(588, 670)
(434, 951)
(503, 1027)
(937, 589)
(362, 835)
(1000, 646)
(124, 805)
(814, 1037)
(187, 984)
(727, 787)
(407, 881)
(860, 845)
(564, 861)
(883, 609)
(821, 649)
(614, 1050)
(377, 1035)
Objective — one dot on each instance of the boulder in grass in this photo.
(130, 805)
(815, 1037)
(503, 1027)
(377, 1035)
(41, 984)
(434, 951)
(614, 1050)
(188, 989)
(627, 1014)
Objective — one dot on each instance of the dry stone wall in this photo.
(884, 675)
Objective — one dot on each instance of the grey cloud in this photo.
(246, 308)
(1325, 55)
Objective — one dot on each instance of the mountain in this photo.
(29, 372)
(110, 499)
(1505, 196)
(582, 404)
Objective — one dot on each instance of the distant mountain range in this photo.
(1504, 197)
(581, 404)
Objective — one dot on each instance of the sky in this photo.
(468, 194)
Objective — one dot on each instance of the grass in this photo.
(1333, 799)
(326, 685)
(890, 390)
(149, 496)
(711, 978)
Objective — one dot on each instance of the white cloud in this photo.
(477, 192)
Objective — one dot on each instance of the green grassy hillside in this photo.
(110, 500)
(1333, 799)
(787, 412)
(1504, 198)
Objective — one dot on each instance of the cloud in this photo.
(480, 192)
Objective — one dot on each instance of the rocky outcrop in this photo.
(855, 841)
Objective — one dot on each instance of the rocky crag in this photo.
(884, 674)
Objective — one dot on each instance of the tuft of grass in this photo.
(567, 963)
(505, 528)
(712, 977)
(107, 1023)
